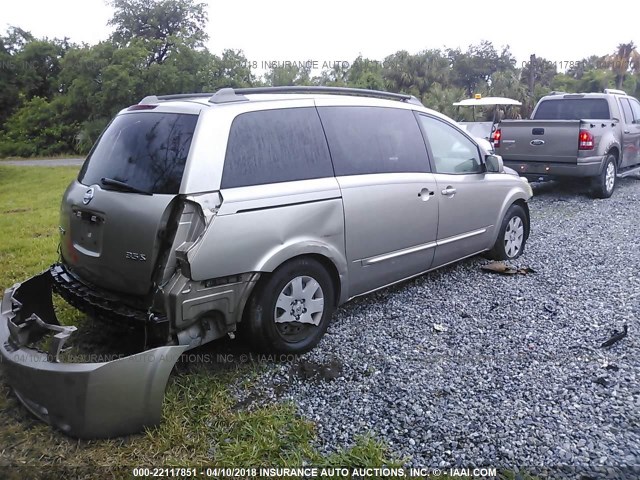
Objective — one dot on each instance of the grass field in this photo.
(202, 425)
(48, 157)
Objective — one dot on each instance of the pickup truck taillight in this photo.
(585, 140)
(495, 137)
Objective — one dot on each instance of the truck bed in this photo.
(545, 141)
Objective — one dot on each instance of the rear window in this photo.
(145, 150)
(368, 140)
(573, 109)
(272, 146)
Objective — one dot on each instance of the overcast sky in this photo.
(340, 30)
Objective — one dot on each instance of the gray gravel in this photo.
(517, 377)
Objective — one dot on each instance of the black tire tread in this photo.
(258, 327)
(498, 252)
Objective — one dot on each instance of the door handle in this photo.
(425, 193)
(449, 191)
(626, 131)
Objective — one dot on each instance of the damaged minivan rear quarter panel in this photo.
(260, 227)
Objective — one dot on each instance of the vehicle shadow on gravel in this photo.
(573, 187)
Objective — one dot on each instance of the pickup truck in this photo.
(595, 135)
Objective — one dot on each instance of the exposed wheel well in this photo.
(325, 262)
(616, 153)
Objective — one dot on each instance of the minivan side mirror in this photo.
(494, 163)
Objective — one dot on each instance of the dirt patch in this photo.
(17, 210)
(310, 370)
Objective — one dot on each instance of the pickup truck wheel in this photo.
(605, 183)
(512, 236)
(291, 310)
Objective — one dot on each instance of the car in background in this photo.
(575, 135)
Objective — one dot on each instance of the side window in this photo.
(635, 108)
(626, 110)
(272, 146)
(452, 151)
(367, 140)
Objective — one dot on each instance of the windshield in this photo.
(573, 109)
(147, 151)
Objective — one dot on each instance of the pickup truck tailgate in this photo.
(549, 141)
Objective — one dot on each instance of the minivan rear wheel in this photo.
(291, 310)
(512, 236)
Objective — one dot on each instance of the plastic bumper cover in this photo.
(585, 167)
(84, 400)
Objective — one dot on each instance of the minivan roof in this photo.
(231, 95)
(196, 102)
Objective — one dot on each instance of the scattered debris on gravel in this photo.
(459, 368)
(504, 269)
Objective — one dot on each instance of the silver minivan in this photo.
(257, 212)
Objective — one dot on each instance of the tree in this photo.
(474, 67)
(510, 84)
(229, 70)
(538, 71)
(596, 81)
(362, 73)
(593, 62)
(161, 26)
(29, 68)
(289, 73)
(39, 62)
(624, 60)
(37, 128)
(9, 90)
(337, 75)
(415, 74)
(442, 99)
(14, 40)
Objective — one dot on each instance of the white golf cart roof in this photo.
(483, 101)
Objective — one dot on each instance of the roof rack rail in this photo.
(176, 96)
(226, 95)
(615, 91)
(557, 92)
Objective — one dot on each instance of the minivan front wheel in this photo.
(290, 311)
(512, 236)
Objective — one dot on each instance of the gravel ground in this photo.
(516, 377)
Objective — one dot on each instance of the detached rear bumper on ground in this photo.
(85, 400)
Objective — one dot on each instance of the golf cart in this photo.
(484, 129)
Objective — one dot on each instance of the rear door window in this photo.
(272, 146)
(573, 109)
(145, 150)
(626, 110)
(365, 140)
(635, 108)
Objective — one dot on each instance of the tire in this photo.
(513, 234)
(295, 285)
(604, 184)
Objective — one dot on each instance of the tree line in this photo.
(56, 96)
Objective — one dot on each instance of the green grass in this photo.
(202, 425)
(48, 157)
